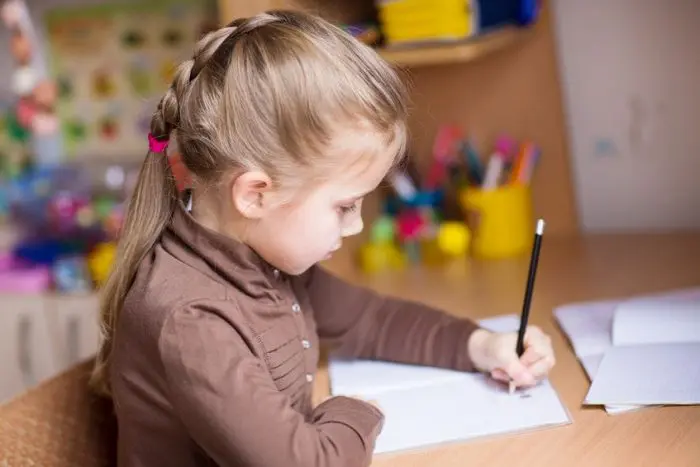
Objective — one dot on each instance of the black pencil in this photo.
(529, 289)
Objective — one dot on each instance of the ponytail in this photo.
(150, 210)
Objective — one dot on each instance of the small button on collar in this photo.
(306, 344)
(296, 308)
(309, 377)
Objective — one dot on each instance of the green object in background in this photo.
(103, 207)
(383, 230)
(4, 165)
(75, 131)
(15, 131)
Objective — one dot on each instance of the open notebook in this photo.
(426, 406)
(619, 341)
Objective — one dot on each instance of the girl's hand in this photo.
(494, 353)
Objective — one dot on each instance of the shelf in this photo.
(456, 52)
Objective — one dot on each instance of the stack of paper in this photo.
(427, 406)
(638, 352)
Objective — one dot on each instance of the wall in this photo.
(631, 71)
(37, 8)
(115, 114)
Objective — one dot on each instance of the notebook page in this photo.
(648, 374)
(357, 377)
(461, 409)
(425, 406)
(657, 321)
(361, 376)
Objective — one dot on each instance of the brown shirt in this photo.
(215, 352)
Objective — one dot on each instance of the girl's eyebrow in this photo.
(353, 199)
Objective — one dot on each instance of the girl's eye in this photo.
(348, 209)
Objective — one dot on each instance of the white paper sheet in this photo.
(647, 375)
(428, 406)
(359, 377)
(655, 322)
(590, 327)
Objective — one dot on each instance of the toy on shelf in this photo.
(20, 278)
(68, 219)
(412, 21)
(70, 274)
(409, 22)
(33, 120)
(453, 238)
(413, 228)
(100, 261)
(498, 13)
(465, 206)
(381, 252)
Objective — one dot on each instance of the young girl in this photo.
(214, 312)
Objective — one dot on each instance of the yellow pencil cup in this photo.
(501, 220)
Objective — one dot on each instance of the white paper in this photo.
(590, 327)
(590, 364)
(655, 321)
(426, 406)
(648, 374)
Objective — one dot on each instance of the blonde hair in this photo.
(266, 92)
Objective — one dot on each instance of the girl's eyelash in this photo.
(348, 209)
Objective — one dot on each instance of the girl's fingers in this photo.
(531, 355)
(519, 373)
(540, 369)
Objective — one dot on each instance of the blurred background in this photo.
(583, 113)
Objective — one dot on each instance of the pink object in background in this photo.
(505, 148)
(25, 113)
(410, 224)
(11, 13)
(22, 280)
(6, 261)
(446, 144)
(44, 123)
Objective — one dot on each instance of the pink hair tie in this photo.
(154, 145)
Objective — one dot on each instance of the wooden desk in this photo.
(592, 268)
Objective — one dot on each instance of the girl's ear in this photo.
(250, 194)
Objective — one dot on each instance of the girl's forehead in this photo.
(360, 156)
(362, 176)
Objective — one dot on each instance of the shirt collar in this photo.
(225, 257)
